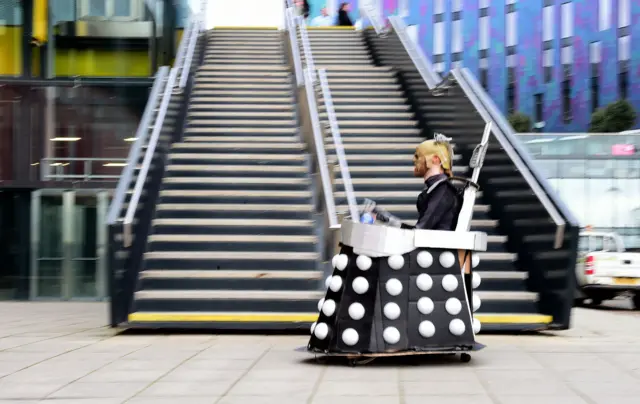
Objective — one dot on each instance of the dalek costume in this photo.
(400, 290)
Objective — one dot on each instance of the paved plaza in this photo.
(62, 353)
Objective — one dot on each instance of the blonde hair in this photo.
(439, 148)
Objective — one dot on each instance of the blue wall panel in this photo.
(529, 69)
(634, 91)
(470, 31)
(530, 74)
(609, 41)
(497, 55)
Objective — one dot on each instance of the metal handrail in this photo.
(185, 69)
(337, 142)
(321, 156)
(480, 102)
(182, 48)
(134, 153)
(420, 60)
(306, 48)
(60, 162)
(151, 148)
(369, 12)
(291, 26)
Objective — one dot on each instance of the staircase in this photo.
(380, 131)
(233, 242)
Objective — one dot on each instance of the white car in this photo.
(604, 270)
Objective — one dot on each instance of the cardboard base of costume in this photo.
(396, 291)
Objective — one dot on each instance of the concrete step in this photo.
(243, 86)
(243, 139)
(252, 131)
(242, 157)
(240, 114)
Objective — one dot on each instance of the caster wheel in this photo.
(465, 357)
(355, 362)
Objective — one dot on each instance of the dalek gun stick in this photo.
(371, 212)
(469, 198)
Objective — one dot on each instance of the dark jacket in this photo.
(343, 19)
(438, 209)
(305, 9)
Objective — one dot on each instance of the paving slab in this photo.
(63, 353)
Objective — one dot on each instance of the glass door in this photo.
(47, 245)
(84, 260)
(68, 245)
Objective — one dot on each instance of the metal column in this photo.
(101, 275)
(68, 244)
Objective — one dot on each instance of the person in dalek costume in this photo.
(399, 290)
(440, 201)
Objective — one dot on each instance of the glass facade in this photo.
(87, 38)
(67, 245)
(78, 133)
(598, 177)
(75, 77)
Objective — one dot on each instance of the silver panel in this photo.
(382, 241)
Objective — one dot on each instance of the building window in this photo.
(624, 13)
(624, 48)
(512, 29)
(511, 98)
(484, 78)
(439, 41)
(110, 9)
(484, 34)
(604, 15)
(547, 62)
(566, 101)
(566, 11)
(623, 84)
(595, 52)
(457, 42)
(511, 88)
(547, 23)
(595, 93)
(539, 104)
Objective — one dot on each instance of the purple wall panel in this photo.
(497, 55)
(470, 23)
(529, 70)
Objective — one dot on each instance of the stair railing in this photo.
(419, 59)
(334, 130)
(306, 48)
(555, 284)
(146, 163)
(175, 84)
(294, 50)
(371, 13)
(313, 136)
(504, 133)
(141, 136)
(128, 232)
